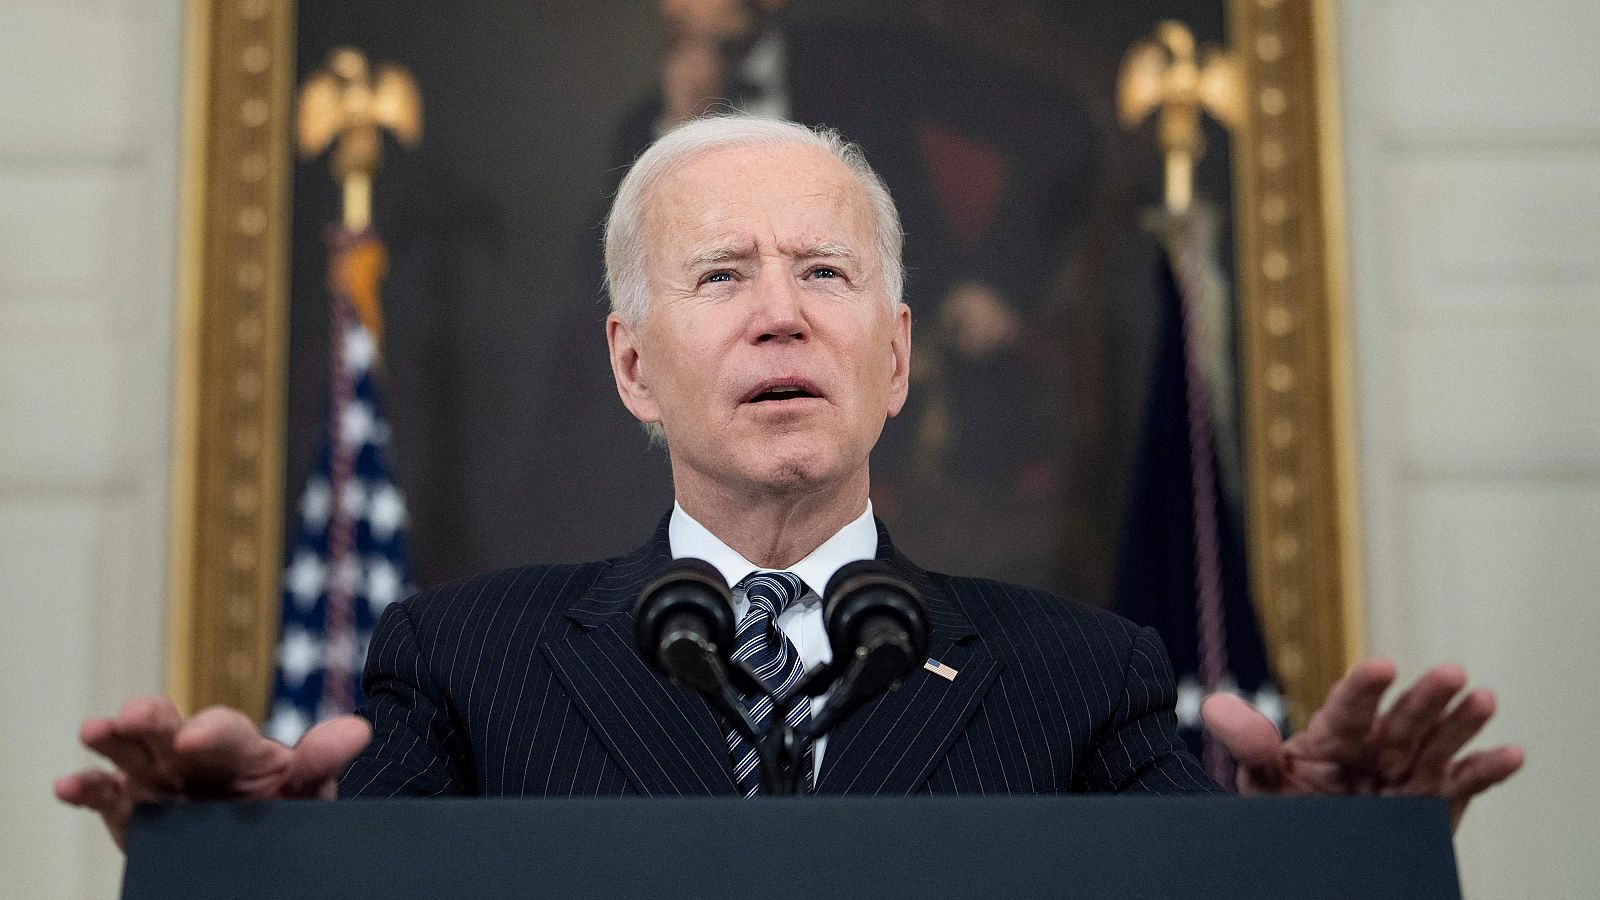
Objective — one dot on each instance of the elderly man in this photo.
(758, 330)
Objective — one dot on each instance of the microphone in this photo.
(878, 628)
(683, 624)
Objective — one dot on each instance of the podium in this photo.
(885, 849)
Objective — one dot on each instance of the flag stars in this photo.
(356, 424)
(315, 504)
(1189, 698)
(353, 498)
(306, 579)
(359, 350)
(287, 723)
(298, 655)
(320, 656)
(383, 584)
(386, 512)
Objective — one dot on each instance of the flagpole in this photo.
(348, 561)
(1171, 78)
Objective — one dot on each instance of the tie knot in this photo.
(772, 592)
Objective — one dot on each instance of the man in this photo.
(994, 172)
(757, 329)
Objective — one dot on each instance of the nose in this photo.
(779, 311)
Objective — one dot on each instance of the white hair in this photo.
(624, 237)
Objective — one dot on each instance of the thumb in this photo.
(322, 752)
(1250, 737)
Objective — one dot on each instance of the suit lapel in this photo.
(668, 740)
(891, 745)
(665, 738)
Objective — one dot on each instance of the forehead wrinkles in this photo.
(810, 197)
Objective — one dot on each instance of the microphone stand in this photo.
(779, 749)
(869, 673)
(788, 776)
(683, 618)
(878, 665)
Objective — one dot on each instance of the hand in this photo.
(1350, 748)
(218, 753)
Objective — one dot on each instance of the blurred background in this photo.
(1471, 163)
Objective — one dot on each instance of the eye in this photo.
(824, 272)
(717, 277)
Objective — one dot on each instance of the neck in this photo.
(773, 529)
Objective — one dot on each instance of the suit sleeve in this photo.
(416, 748)
(1140, 751)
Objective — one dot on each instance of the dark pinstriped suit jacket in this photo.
(526, 683)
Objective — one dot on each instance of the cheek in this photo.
(689, 362)
(874, 360)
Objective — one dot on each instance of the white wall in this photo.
(89, 119)
(1472, 133)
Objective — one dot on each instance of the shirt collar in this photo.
(856, 541)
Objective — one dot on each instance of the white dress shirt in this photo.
(802, 621)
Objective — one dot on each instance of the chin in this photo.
(793, 469)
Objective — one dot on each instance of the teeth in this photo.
(782, 391)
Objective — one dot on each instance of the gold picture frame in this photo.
(227, 493)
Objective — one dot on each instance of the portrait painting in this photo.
(1040, 411)
(1032, 284)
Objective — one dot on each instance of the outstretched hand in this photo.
(1349, 747)
(218, 753)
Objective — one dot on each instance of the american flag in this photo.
(348, 561)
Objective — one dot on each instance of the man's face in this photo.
(771, 354)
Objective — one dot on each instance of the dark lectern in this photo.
(923, 848)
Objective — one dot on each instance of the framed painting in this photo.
(1035, 288)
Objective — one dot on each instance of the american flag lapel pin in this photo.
(940, 669)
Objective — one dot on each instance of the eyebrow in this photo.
(720, 254)
(827, 250)
(712, 256)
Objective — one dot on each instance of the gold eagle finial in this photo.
(346, 106)
(1171, 75)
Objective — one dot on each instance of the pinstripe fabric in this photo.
(526, 683)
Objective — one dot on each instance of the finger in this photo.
(129, 754)
(1477, 772)
(221, 752)
(104, 792)
(94, 789)
(151, 721)
(323, 752)
(1341, 730)
(1413, 717)
(153, 715)
(1250, 738)
(1453, 732)
(138, 739)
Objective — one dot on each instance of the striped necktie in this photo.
(772, 656)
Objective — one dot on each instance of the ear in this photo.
(900, 351)
(628, 368)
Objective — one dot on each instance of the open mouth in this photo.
(785, 389)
